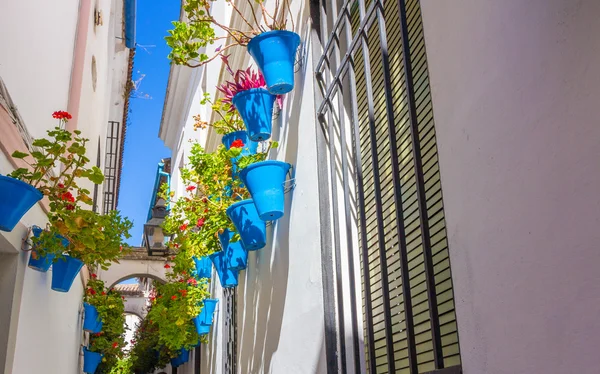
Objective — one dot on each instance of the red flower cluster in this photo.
(115, 345)
(205, 200)
(192, 281)
(70, 206)
(190, 188)
(174, 297)
(103, 293)
(68, 196)
(183, 292)
(200, 222)
(167, 266)
(60, 185)
(94, 276)
(61, 114)
(91, 291)
(238, 143)
(183, 227)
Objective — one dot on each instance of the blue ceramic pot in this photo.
(203, 267)
(16, 198)
(181, 359)
(274, 52)
(39, 262)
(253, 230)
(204, 320)
(91, 360)
(64, 272)
(91, 320)
(227, 277)
(256, 109)
(235, 253)
(264, 181)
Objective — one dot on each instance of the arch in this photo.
(136, 264)
(134, 314)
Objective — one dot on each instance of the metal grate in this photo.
(381, 198)
(111, 164)
(230, 320)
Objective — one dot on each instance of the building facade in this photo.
(445, 174)
(75, 56)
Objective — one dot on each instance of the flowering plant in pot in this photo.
(174, 306)
(109, 342)
(22, 188)
(94, 239)
(187, 38)
(246, 92)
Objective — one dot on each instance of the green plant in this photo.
(96, 239)
(187, 38)
(175, 304)
(199, 217)
(64, 148)
(228, 119)
(147, 355)
(111, 309)
(244, 161)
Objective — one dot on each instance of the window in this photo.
(388, 279)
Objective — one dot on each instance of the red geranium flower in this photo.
(192, 281)
(174, 297)
(237, 144)
(68, 196)
(60, 185)
(190, 188)
(205, 200)
(70, 207)
(91, 291)
(61, 114)
(167, 266)
(94, 276)
(103, 293)
(115, 345)
(183, 227)
(200, 222)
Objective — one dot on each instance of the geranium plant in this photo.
(199, 217)
(146, 354)
(187, 38)
(96, 239)
(174, 306)
(64, 148)
(111, 340)
(228, 120)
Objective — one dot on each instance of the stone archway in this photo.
(136, 264)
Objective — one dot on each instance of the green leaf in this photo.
(21, 155)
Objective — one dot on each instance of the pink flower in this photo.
(200, 222)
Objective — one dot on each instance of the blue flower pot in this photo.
(264, 181)
(256, 109)
(274, 52)
(227, 277)
(235, 253)
(252, 229)
(249, 148)
(203, 267)
(181, 359)
(204, 320)
(39, 262)
(91, 360)
(91, 320)
(16, 198)
(64, 272)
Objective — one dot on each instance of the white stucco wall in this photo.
(516, 87)
(36, 57)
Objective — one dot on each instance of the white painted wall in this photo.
(516, 87)
(280, 302)
(36, 57)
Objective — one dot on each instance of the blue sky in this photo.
(143, 148)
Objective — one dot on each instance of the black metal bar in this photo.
(421, 197)
(400, 229)
(197, 358)
(365, 23)
(333, 33)
(173, 370)
(377, 192)
(331, 351)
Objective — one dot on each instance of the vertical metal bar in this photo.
(331, 351)
(173, 370)
(421, 197)
(377, 190)
(197, 358)
(400, 229)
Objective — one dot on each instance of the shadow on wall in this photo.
(262, 291)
